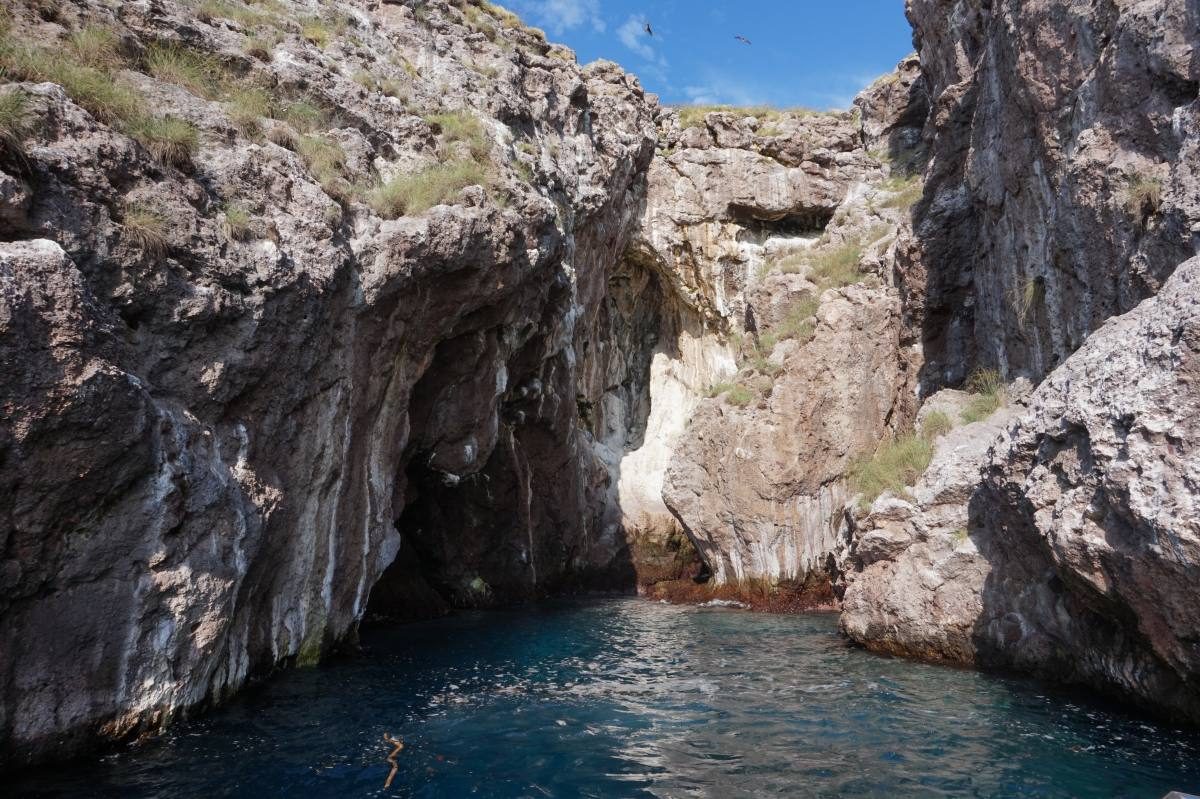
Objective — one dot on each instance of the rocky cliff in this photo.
(288, 288)
(1062, 185)
(317, 311)
(825, 364)
(1055, 537)
(1056, 145)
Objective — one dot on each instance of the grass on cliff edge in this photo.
(14, 122)
(461, 127)
(828, 266)
(692, 116)
(734, 393)
(899, 462)
(896, 464)
(418, 192)
(84, 69)
(987, 394)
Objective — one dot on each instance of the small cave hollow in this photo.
(803, 222)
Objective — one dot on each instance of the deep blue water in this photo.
(628, 698)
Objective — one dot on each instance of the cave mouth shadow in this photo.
(505, 534)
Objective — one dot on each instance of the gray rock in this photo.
(1066, 544)
(216, 442)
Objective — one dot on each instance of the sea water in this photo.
(627, 698)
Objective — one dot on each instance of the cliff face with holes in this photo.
(242, 388)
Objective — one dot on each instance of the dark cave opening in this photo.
(799, 222)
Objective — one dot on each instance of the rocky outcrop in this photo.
(726, 194)
(1062, 187)
(1070, 547)
(1059, 193)
(914, 574)
(236, 380)
(759, 485)
(758, 479)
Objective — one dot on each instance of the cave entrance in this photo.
(802, 223)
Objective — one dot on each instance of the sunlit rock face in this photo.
(1058, 537)
(757, 478)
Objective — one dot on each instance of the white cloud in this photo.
(718, 89)
(633, 35)
(558, 16)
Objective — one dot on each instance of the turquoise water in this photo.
(627, 698)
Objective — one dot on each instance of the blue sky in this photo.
(812, 53)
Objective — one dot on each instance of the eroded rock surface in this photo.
(232, 386)
(1063, 185)
(758, 478)
(914, 574)
(1061, 191)
(1067, 543)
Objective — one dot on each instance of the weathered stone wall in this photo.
(217, 431)
(1050, 120)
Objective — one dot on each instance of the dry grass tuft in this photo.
(905, 191)
(147, 230)
(199, 73)
(169, 139)
(462, 127)
(896, 464)
(693, 116)
(739, 396)
(96, 46)
(14, 122)
(102, 93)
(418, 192)
(988, 393)
(304, 116)
(936, 424)
(326, 160)
(237, 222)
(1143, 197)
(247, 107)
(94, 89)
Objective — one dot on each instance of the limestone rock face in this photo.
(1071, 547)
(1061, 190)
(759, 487)
(914, 575)
(233, 390)
(1063, 182)
(1089, 512)
(757, 478)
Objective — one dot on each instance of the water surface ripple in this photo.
(627, 698)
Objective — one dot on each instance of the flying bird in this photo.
(649, 30)
(741, 38)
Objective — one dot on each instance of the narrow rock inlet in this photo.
(321, 316)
